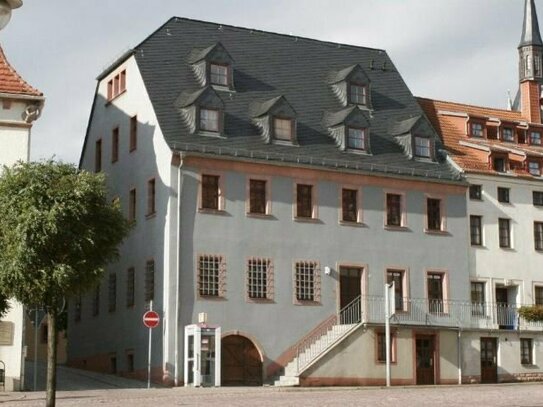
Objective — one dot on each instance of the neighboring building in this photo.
(20, 105)
(500, 152)
(275, 183)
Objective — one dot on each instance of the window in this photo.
(304, 201)
(397, 277)
(116, 85)
(422, 147)
(132, 205)
(307, 281)
(96, 301)
(538, 235)
(476, 192)
(535, 137)
(282, 128)
(133, 142)
(507, 134)
(98, 156)
(210, 192)
(435, 292)
(356, 138)
(130, 286)
(433, 213)
(394, 210)
(503, 195)
(534, 168)
(115, 145)
(537, 197)
(209, 120)
(476, 130)
(357, 94)
(77, 309)
(211, 276)
(260, 279)
(476, 232)
(151, 197)
(499, 164)
(149, 280)
(112, 303)
(257, 196)
(526, 356)
(477, 298)
(538, 295)
(218, 74)
(381, 347)
(349, 205)
(504, 233)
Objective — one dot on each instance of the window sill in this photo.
(307, 302)
(259, 215)
(508, 249)
(358, 151)
(110, 101)
(428, 160)
(352, 224)
(209, 133)
(222, 88)
(436, 232)
(306, 220)
(382, 362)
(212, 211)
(285, 143)
(132, 150)
(396, 228)
(150, 215)
(260, 301)
(478, 246)
(476, 199)
(211, 298)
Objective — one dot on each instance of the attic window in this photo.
(507, 134)
(356, 138)
(535, 138)
(499, 164)
(218, 74)
(357, 94)
(209, 120)
(534, 168)
(476, 130)
(422, 147)
(282, 128)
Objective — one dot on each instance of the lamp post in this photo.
(5, 10)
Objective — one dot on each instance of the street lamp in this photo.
(5, 10)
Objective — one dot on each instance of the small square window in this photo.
(507, 134)
(476, 130)
(209, 120)
(535, 138)
(475, 192)
(282, 129)
(503, 195)
(534, 168)
(537, 197)
(526, 354)
(357, 94)
(422, 147)
(218, 74)
(356, 138)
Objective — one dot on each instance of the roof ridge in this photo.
(25, 87)
(468, 105)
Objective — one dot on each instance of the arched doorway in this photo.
(241, 364)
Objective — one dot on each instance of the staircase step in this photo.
(286, 381)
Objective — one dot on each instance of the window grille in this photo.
(307, 281)
(259, 279)
(211, 275)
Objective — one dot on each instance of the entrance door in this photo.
(349, 285)
(425, 359)
(503, 311)
(240, 362)
(489, 365)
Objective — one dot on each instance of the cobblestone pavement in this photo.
(509, 395)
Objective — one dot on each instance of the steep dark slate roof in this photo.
(269, 65)
(530, 26)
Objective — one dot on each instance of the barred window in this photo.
(526, 357)
(307, 281)
(210, 192)
(96, 301)
(304, 201)
(130, 286)
(260, 279)
(77, 309)
(433, 207)
(149, 280)
(257, 196)
(112, 291)
(211, 275)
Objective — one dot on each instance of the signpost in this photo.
(151, 319)
(390, 309)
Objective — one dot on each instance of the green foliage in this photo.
(57, 232)
(533, 313)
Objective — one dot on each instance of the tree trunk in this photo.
(51, 357)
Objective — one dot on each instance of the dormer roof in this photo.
(215, 52)
(346, 116)
(11, 82)
(206, 96)
(271, 106)
(530, 26)
(353, 72)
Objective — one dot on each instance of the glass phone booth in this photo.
(202, 355)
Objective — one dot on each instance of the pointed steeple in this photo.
(530, 27)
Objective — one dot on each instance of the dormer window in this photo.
(534, 168)
(422, 147)
(499, 164)
(507, 134)
(209, 120)
(276, 120)
(357, 94)
(282, 128)
(535, 138)
(356, 138)
(218, 74)
(476, 130)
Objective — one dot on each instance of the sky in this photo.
(457, 50)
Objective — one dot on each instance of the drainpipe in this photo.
(459, 348)
(177, 265)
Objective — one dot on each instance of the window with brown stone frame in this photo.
(538, 295)
(218, 74)
(307, 282)
(349, 205)
(526, 351)
(130, 286)
(259, 279)
(132, 205)
(258, 201)
(435, 284)
(211, 275)
(115, 145)
(112, 292)
(504, 232)
(381, 347)
(400, 296)
(116, 85)
(98, 156)
(393, 209)
(133, 142)
(151, 197)
(210, 192)
(358, 93)
(149, 280)
(434, 214)
(304, 201)
(538, 235)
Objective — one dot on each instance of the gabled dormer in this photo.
(476, 127)
(202, 111)
(416, 137)
(350, 129)
(351, 86)
(213, 66)
(276, 120)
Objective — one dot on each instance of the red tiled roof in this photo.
(452, 130)
(11, 81)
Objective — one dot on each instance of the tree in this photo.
(57, 232)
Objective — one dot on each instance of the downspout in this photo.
(177, 265)
(459, 348)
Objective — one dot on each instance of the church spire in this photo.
(530, 27)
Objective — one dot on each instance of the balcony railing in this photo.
(448, 313)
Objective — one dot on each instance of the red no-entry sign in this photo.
(151, 319)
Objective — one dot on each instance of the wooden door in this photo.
(349, 285)
(489, 365)
(240, 362)
(425, 358)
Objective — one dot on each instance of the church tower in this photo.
(530, 65)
